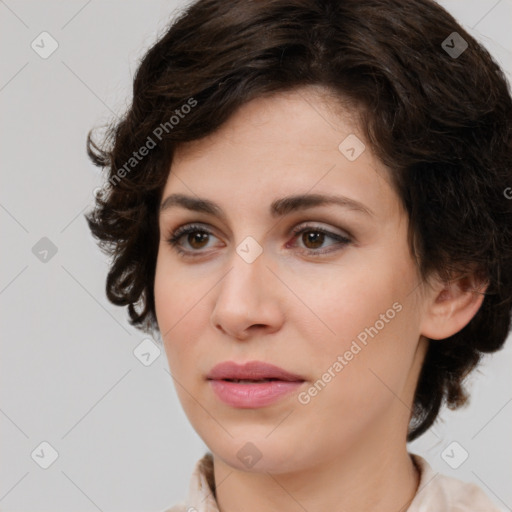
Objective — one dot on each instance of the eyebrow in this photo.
(278, 208)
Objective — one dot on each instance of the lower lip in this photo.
(250, 396)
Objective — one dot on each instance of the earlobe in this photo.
(452, 305)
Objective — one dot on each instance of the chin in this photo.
(254, 452)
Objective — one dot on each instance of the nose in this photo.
(247, 300)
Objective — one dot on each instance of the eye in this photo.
(197, 237)
(313, 237)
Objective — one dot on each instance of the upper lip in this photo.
(252, 370)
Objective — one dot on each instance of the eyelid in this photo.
(343, 239)
(317, 226)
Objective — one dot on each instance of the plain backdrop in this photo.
(74, 395)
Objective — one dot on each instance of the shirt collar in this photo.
(201, 492)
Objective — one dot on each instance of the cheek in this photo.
(177, 293)
(179, 312)
(346, 303)
(369, 318)
(181, 317)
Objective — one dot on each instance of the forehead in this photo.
(287, 143)
(302, 112)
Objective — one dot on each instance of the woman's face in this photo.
(327, 292)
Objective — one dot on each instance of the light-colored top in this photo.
(436, 492)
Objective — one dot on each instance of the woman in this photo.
(306, 203)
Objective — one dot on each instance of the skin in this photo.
(299, 311)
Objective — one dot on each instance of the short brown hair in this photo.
(440, 121)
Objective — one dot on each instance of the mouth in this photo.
(248, 381)
(252, 372)
(252, 385)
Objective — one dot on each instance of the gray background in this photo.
(69, 375)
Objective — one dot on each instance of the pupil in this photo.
(197, 237)
(316, 238)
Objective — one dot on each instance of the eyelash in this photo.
(174, 238)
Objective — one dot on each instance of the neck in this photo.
(369, 477)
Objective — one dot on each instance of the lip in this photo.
(255, 394)
(252, 370)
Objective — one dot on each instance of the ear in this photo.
(451, 305)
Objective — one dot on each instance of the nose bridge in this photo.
(242, 284)
(246, 296)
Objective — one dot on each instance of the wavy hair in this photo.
(436, 113)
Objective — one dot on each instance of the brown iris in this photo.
(197, 237)
(314, 237)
